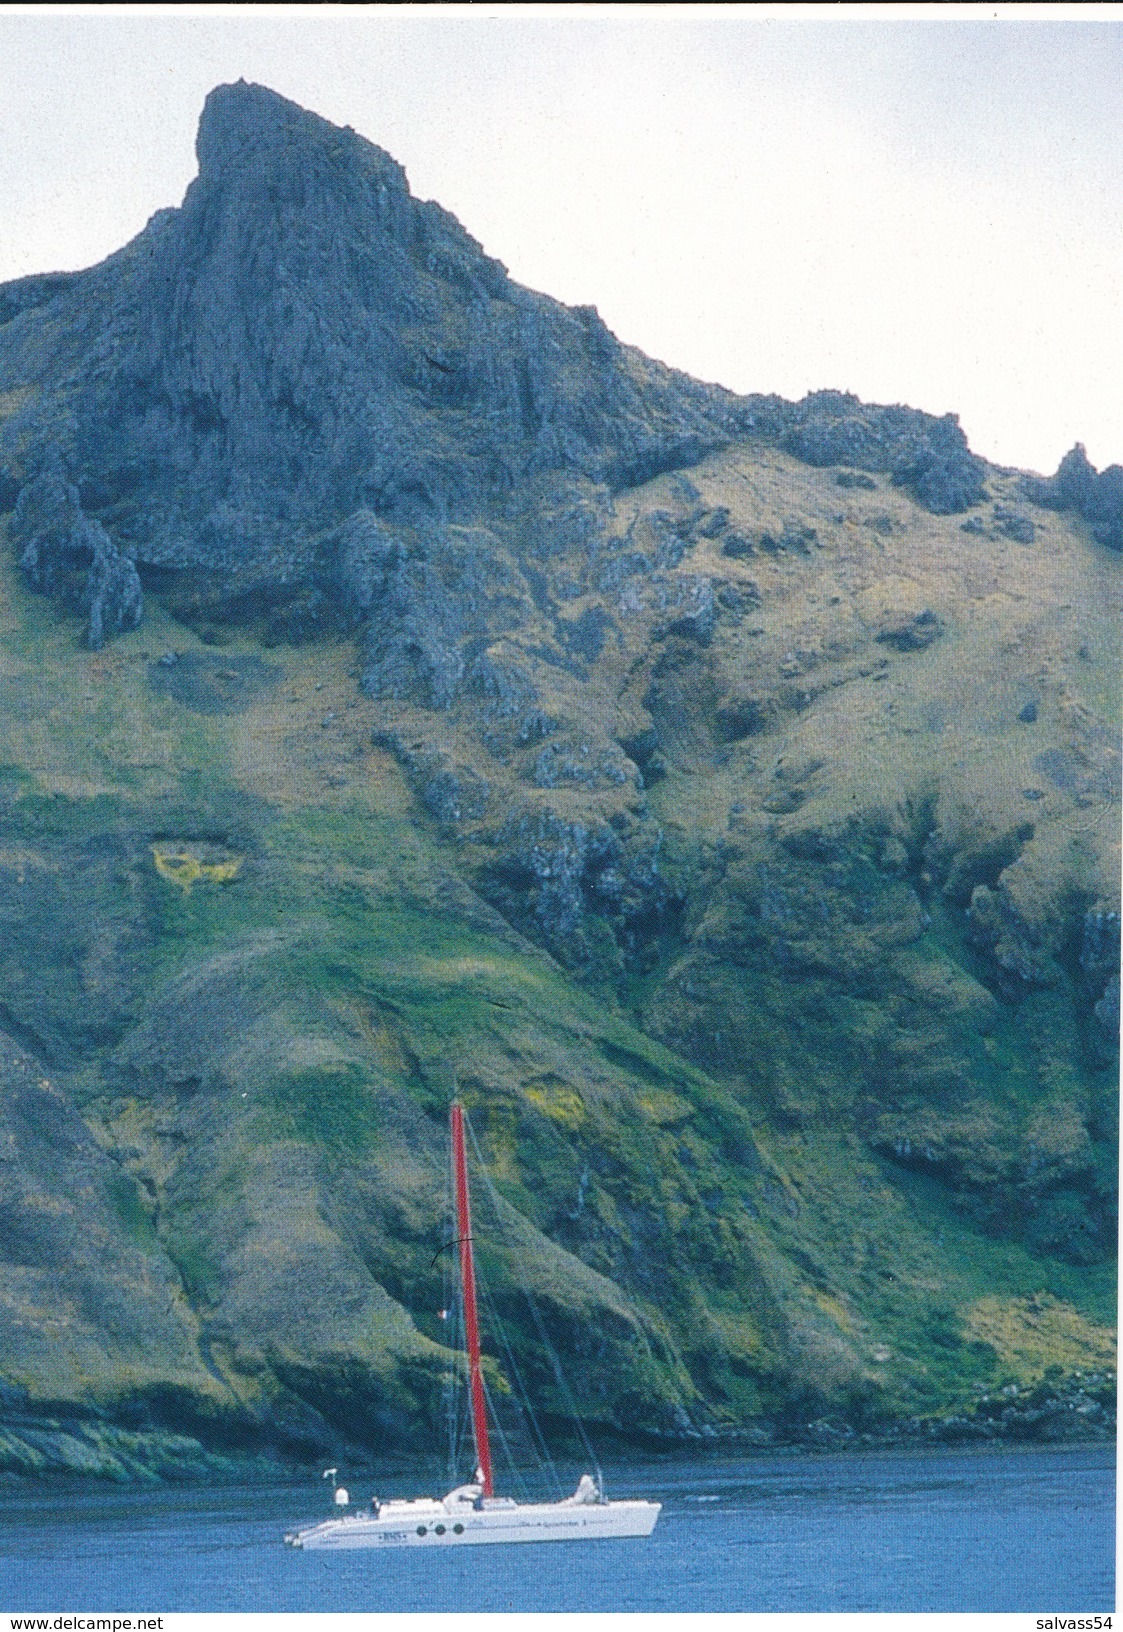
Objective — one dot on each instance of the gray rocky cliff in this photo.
(300, 339)
(303, 339)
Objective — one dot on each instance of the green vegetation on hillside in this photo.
(802, 1155)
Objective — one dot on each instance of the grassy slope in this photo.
(929, 740)
(359, 967)
(268, 1055)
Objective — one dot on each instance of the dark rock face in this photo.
(302, 338)
(911, 634)
(1078, 486)
(303, 342)
(1013, 524)
(25, 293)
(66, 554)
(565, 877)
(1075, 480)
(1099, 963)
(927, 455)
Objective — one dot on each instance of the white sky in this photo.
(922, 211)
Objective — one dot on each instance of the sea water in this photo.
(979, 1530)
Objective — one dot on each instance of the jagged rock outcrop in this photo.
(72, 558)
(928, 456)
(1097, 496)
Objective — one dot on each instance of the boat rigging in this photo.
(472, 1513)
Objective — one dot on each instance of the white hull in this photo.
(435, 1524)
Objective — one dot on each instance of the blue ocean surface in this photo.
(978, 1530)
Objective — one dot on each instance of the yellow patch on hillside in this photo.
(834, 1309)
(739, 1334)
(664, 1108)
(1034, 1333)
(185, 866)
(558, 1101)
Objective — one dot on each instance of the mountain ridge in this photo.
(724, 789)
(368, 329)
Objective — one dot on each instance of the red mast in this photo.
(468, 1284)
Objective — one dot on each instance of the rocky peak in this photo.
(242, 119)
(262, 155)
(303, 342)
(303, 339)
(1096, 495)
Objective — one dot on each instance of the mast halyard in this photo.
(468, 1289)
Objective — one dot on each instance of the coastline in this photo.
(1076, 1411)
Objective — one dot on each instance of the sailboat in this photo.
(472, 1513)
